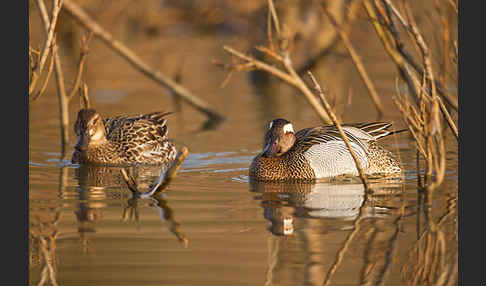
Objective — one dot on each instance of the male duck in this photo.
(320, 152)
(122, 140)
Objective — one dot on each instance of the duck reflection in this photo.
(313, 225)
(98, 184)
(281, 201)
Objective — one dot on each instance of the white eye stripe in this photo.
(271, 124)
(288, 128)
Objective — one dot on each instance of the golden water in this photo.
(228, 230)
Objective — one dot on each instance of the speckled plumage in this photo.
(122, 140)
(320, 152)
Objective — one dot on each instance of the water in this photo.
(214, 226)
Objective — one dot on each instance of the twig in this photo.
(178, 90)
(129, 180)
(162, 181)
(406, 55)
(292, 79)
(433, 127)
(261, 65)
(50, 28)
(61, 91)
(170, 174)
(448, 118)
(352, 11)
(273, 12)
(397, 58)
(44, 86)
(84, 96)
(326, 105)
(82, 59)
(357, 61)
(165, 212)
(155, 194)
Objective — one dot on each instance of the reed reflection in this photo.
(314, 226)
(433, 258)
(43, 234)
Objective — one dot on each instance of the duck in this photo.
(320, 152)
(122, 140)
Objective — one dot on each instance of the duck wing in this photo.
(143, 137)
(358, 133)
(309, 137)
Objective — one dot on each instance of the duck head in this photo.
(89, 128)
(279, 139)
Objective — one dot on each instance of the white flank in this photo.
(333, 159)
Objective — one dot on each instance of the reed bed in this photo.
(422, 106)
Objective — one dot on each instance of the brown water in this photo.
(213, 226)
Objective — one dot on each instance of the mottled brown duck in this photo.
(122, 140)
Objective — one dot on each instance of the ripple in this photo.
(241, 179)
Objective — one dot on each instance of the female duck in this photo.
(320, 152)
(122, 140)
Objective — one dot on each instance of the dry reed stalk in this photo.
(412, 27)
(89, 23)
(352, 13)
(63, 103)
(274, 17)
(167, 213)
(162, 181)
(291, 77)
(154, 194)
(56, 8)
(374, 272)
(173, 169)
(281, 55)
(426, 264)
(86, 102)
(446, 34)
(397, 57)
(347, 242)
(424, 120)
(46, 80)
(326, 105)
(48, 44)
(434, 138)
(82, 59)
(357, 61)
(61, 91)
(46, 239)
(406, 60)
(342, 251)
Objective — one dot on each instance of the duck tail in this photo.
(157, 116)
(379, 129)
